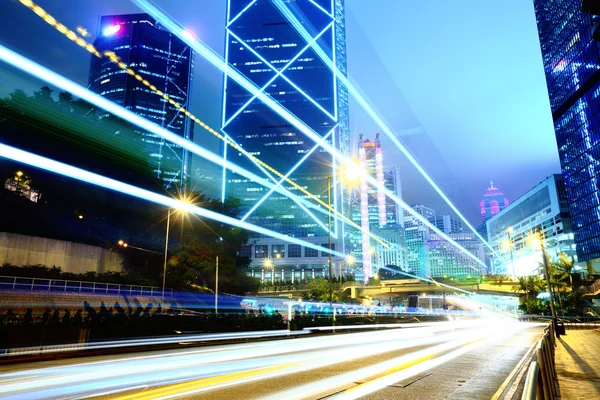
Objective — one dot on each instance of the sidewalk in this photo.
(578, 364)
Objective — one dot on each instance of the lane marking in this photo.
(517, 367)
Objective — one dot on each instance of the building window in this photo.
(261, 251)
(326, 245)
(278, 250)
(294, 250)
(308, 252)
(246, 251)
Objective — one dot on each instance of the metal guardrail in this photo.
(59, 285)
(541, 375)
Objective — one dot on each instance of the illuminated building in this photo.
(569, 35)
(375, 214)
(167, 63)
(544, 208)
(493, 202)
(416, 236)
(445, 260)
(267, 49)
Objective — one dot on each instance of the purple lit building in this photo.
(493, 202)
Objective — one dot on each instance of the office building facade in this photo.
(166, 62)
(543, 209)
(287, 61)
(445, 260)
(568, 32)
(416, 235)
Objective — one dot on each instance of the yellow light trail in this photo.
(115, 59)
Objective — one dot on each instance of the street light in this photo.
(269, 264)
(536, 241)
(184, 201)
(329, 243)
(508, 245)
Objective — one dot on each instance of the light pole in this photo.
(537, 241)
(329, 243)
(166, 254)
(268, 263)
(509, 230)
(217, 286)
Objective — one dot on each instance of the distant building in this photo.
(448, 224)
(166, 62)
(493, 202)
(445, 260)
(376, 214)
(569, 38)
(416, 235)
(544, 208)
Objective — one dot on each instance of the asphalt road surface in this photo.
(462, 359)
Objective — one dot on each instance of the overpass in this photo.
(404, 287)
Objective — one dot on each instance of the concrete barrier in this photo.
(72, 257)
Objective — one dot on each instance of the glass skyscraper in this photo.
(165, 62)
(571, 60)
(285, 61)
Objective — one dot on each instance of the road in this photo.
(463, 359)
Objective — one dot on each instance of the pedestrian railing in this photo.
(59, 285)
(580, 325)
(541, 381)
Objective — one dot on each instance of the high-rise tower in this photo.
(164, 61)
(569, 34)
(288, 62)
(272, 52)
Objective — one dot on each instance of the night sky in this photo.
(460, 82)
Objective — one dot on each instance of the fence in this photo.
(58, 285)
(541, 375)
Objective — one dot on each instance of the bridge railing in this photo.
(59, 285)
(541, 376)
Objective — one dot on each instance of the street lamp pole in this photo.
(166, 254)
(540, 239)
(217, 286)
(512, 258)
(329, 243)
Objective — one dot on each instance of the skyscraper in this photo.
(569, 36)
(493, 202)
(165, 62)
(374, 213)
(417, 235)
(287, 62)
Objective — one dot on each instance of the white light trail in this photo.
(216, 60)
(69, 171)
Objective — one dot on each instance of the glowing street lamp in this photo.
(536, 242)
(350, 260)
(269, 264)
